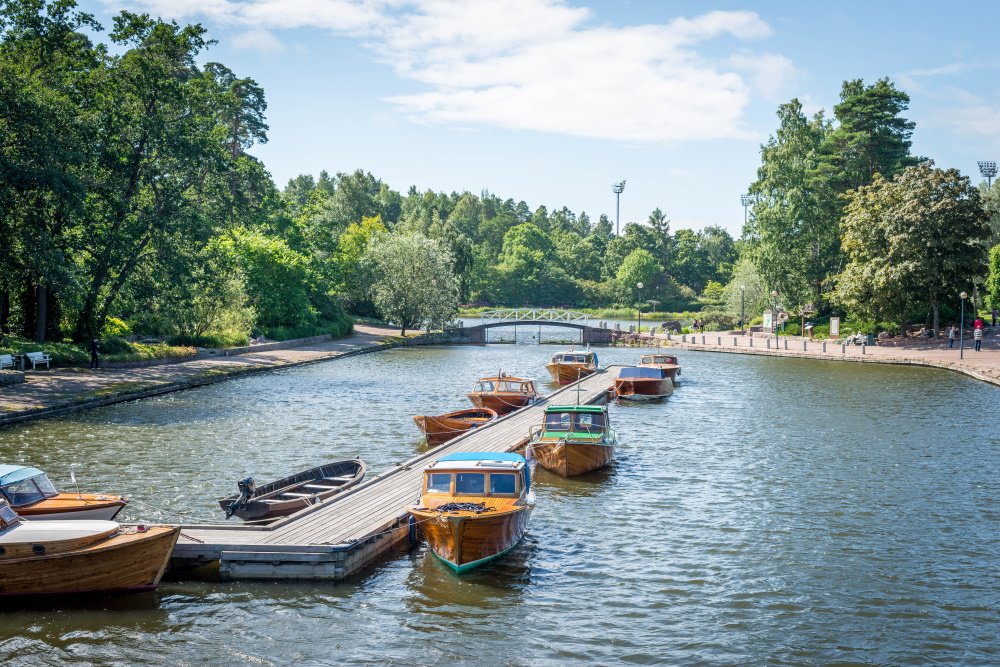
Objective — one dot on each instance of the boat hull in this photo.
(465, 541)
(500, 403)
(442, 428)
(569, 373)
(643, 389)
(571, 458)
(125, 562)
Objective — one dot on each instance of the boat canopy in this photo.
(639, 372)
(576, 408)
(483, 456)
(10, 474)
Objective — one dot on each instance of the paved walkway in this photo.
(66, 389)
(983, 365)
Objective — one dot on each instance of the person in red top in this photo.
(978, 324)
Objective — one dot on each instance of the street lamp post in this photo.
(961, 328)
(743, 298)
(638, 287)
(746, 200)
(988, 169)
(774, 316)
(618, 188)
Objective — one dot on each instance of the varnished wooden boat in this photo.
(474, 506)
(30, 493)
(80, 556)
(443, 428)
(568, 367)
(642, 383)
(572, 439)
(503, 393)
(666, 362)
(293, 493)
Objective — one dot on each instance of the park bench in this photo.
(38, 358)
(6, 361)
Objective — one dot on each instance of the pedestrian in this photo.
(996, 314)
(951, 336)
(95, 361)
(978, 324)
(977, 335)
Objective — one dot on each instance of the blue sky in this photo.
(552, 102)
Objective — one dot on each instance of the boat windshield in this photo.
(514, 387)
(439, 482)
(26, 491)
(590, 421)
(502, 483)
(558, 421)
(484, 386)
(471, 483)
(46, 486)
(646, 360)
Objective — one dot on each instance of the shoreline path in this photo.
(983, 365)
(65, 390)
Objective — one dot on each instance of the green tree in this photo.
(638, 267)
(414, 282)
(916, 240)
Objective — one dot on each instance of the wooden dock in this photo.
(335, 539)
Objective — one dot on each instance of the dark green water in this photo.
(783, 512)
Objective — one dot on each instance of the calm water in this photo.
(783, 512)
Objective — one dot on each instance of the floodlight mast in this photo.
(617, 188)
(988, 169)
(746, 201)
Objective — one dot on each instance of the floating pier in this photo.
(337, 538)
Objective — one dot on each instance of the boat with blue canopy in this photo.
(32, 495)
(474, 506)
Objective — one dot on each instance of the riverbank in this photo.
(983, 365)
(66, 390)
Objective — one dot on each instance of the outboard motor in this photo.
(246, 487)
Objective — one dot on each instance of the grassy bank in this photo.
(111, 349)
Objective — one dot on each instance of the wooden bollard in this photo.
(804, 348)
(734, 341)
(843, 348)
(862, 348)
(751, 341)
(769, 343)
(786, 343)
(824, 347)
(719, 341)
(684, 338)
(703, 339)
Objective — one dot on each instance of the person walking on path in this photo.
(95, 361)
(951, 336)
(996, 315)
(977, 335)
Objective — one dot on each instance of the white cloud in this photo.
(536, 64)
(259, 40)
(977, 120)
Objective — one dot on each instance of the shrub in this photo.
(338, 328)
(718, 320)
(116, 328)
(214, 340)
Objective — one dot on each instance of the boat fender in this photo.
(412, 524)
(246, 486)
(529, 452)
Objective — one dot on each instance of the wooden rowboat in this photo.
(30, 493)
(81, 556)
(572, 439)
(474, 507)
(666, 362)
(642, 383)
(503, 393)
(568, 367)
(443, 428)
(293, 493)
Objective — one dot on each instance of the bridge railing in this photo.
(533, 315)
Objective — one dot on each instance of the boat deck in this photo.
(335, 539)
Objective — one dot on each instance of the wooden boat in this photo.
(293, 493)
(572, 439)
(503, 393)
(665, 362)
(30, 493)
(642, 383)
(443, 428)
(568, 367)
(474, 506)
(80, 556)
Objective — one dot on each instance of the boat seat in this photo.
(270, 501)
(318, 487)
(292, 494)
(341, 479)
